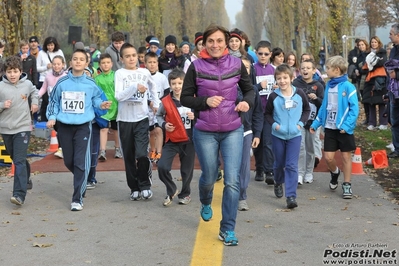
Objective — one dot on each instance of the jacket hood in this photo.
(22, 78)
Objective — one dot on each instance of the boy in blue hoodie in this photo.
(338, 114)
(287, 111)
(72, 103)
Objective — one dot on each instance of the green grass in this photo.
(370, 141)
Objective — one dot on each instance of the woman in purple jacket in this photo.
(210, 88)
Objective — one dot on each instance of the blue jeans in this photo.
(207, 146)
(286, 153)
(394, 118)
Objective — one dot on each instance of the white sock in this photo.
(336, 171)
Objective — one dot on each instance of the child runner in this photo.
(16, 122)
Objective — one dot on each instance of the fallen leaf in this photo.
(283, 210)
(348, 218)
(45, 220)
(268, 225)
(249, 221)
(5, 222)
(369, 222)
(39, 235)
(70, 223)
(44, 245)
(365, 230)
(72, 229)
(395, 224)
(15, 213)
(312, 198)
(345, 209)
(280, 251)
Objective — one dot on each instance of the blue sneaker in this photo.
(206, 212)
(229, 238)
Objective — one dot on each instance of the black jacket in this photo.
(29, 67)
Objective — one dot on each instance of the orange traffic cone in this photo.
(380, 159)
(11, 174)
(53, 142)
(357, 167)
(369, 162)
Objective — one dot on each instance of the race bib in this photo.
(331, 117)
(269, 85)
(73, 102)
(137, 97)
(313, 111)
(184, 117)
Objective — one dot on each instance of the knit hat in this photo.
(93, 45)
(185, 38)
(170, 39)
(154, 41)
(198, 37)
(148, 38)
(33, 39)
(79, 45)
(235, 35)
(184, 43)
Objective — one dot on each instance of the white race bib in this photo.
(184, 117)
(73, 102)
(313, 111)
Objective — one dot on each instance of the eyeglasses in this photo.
(263, 54)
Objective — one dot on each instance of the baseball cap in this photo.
(33, 39)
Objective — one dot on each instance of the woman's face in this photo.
(50, 47)
(58, 65)
(374, 44)
(170, 47)
(216, 44)
(234, 44)
(278, 60)
(291, 60)
(185, 49)
(362, 46)
(200, 46)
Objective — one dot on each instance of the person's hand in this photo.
(50, 123)
(49, 65)
(7, 104)
(255, 142)
(141, 88)
(263, 84)
(169, 127)
(392, 74)
(277, 127)
(24, 56)
(357, 72)
(214, 101)
(311, 130)
(34, 108)
(242, 107)
(190, 115)
(299, 127)
(105, 105)
(342, 131)
(312, 96)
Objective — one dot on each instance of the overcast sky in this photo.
(233, 7)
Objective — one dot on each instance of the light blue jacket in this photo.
(348, 108)
(71, 83)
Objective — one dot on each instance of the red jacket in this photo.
(173, 116)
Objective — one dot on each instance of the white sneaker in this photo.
(75, 206)
(391, 147)
(300, 180)
(58, 153)
(370, 127)
(136, 195)
(308, 178)
(146, 194)
(383, 127)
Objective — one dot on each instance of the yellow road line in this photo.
(208, 249)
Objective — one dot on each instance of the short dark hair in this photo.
(275, 52)
(175, 74)
(263, 44)
(142, 50)
(309, 61)
(283, 69)
(125, 46)
(13, 62)
(150, 55)
(104, 56)
(49, 40)
(212, 28)
(83, 52)
(117, 36)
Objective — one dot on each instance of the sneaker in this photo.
(393, 154)
(259, 176)
(16, 200)
(269, 178)
(229, 238)
(58, 153)
(383, 127)
(184, 201)
(30, 184)
(75, 206)
(102, 157)
(370, 127)
(291, 203)
(135, 195)
(347, 190)
(391, 147)
(308, 178)
(168, 200)
(118, 153)
(300, 180)
(90, 185)
(334, 180)
(278, 190)
(220, 175)
(146, 194)
(242, 205)
(206, 212)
